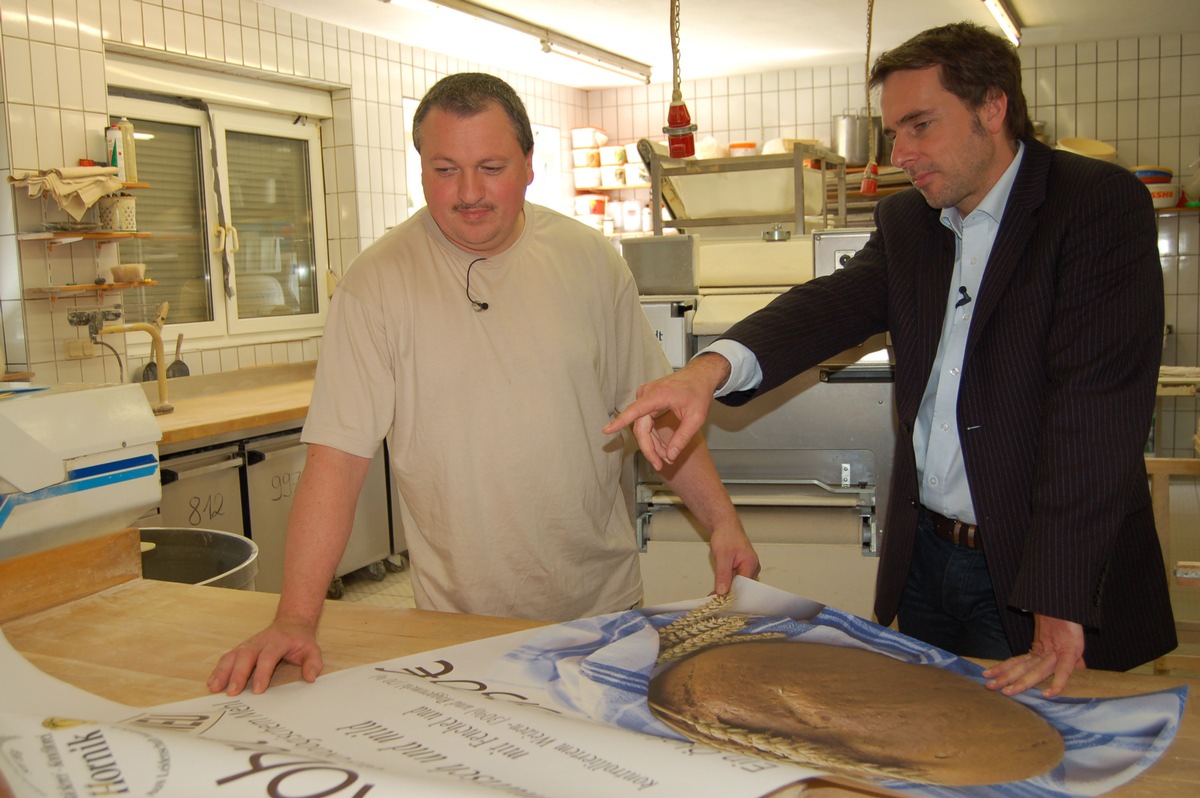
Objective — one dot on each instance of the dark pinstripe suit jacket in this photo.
(1055, 401)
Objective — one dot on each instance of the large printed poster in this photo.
(557, 711)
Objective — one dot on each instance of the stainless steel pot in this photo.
(851, 140)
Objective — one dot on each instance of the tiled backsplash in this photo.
(1179, 249)
(1142, 95)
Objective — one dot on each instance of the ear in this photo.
(529, 168)
(993, 111)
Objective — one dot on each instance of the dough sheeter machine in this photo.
(76, 462)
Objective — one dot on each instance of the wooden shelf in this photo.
(611, 188)
(55, 291)
(59, 237)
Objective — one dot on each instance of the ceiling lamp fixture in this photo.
(1006, 18)
(594, 56)
(555, 42)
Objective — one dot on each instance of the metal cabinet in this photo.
(202, 490)
(273, 468)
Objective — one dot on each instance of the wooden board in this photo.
(147, 642)
(34, 582)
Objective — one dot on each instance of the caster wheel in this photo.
(396, 563)
(376, 571)
(336, 590)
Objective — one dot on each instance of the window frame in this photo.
(226, 326)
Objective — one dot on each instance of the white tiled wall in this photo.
(1179, 249)
(54, 111)
(1142, 95)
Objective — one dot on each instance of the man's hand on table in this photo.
(1057, 651)
(253, 662)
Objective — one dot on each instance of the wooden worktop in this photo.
(275, 396)
(144, 643)
(83, 614)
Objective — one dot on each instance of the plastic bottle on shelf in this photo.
(127, 142)
(115, 148)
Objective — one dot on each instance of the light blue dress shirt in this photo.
(944, 486)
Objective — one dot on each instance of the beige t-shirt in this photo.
(493, 418)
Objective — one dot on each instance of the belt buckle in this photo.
(957, 536)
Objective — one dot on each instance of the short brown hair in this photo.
(469, 93)
(973, 62)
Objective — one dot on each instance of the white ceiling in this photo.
(727, 37)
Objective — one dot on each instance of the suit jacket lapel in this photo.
(934, 268)
(1016, 228)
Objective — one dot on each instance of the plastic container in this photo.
(118, 212)
(129, 146)
(128, 272)
(740, 148)
(612, 156)
(636, 174)
(114, 148)
(588, 204)
(631, 216)
(612, 176)
(582, 137)
(1164, 195)
(1089, 147)
(588, 177)
(199, 557)
(585, 157)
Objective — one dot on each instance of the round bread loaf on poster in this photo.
(853, 712)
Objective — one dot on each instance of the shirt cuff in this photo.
(744, 372)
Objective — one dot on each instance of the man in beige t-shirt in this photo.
(489, 340)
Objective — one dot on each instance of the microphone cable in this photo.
(479, 306)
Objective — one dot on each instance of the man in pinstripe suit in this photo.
(1022, 290)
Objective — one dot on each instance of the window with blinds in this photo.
(176, 256)
(236, 217)
(271, 207)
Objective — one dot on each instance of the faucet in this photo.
(154, 330)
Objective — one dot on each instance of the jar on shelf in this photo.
(118, 213)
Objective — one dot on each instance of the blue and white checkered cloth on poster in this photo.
(601, 667)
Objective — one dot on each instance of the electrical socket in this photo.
(79, 350)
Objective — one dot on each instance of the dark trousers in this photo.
(948, 599)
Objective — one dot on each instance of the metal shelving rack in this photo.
(831, 164)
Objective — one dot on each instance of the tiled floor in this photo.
(395, 589)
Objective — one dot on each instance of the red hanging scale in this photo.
(681, 139)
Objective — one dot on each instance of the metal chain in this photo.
(867, 86)
(677, 92)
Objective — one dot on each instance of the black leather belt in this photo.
(955, 532)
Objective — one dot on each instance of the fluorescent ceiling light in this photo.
(636, 71)
(1006, 18)
(555, 42)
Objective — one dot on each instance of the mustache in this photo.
(474, 206)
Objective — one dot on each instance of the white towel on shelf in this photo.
(74, 188)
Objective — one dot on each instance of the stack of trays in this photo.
(586, 144)
(1153, 174)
